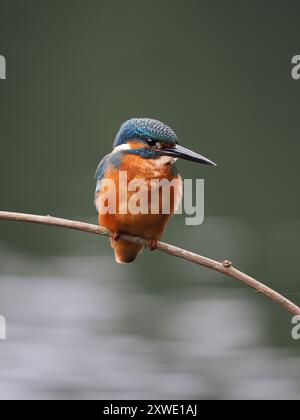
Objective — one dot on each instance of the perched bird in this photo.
(144, 149)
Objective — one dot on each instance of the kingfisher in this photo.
(144, 149)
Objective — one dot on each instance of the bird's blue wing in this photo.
(108, 160)
(114, 159)
(100, 171)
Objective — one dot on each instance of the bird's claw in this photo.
(152, 244)
(115, 236)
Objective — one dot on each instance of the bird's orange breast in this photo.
(147, 225)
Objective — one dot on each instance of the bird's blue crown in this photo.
(144, 128)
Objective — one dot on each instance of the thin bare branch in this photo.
(224, 267)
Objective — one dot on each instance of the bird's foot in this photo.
(152, 244)
(115, 236)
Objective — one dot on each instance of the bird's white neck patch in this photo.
(164, 160)
(124, 146)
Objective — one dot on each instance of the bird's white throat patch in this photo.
(164, 160)
(124, 146)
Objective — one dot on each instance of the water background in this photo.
(80, 326)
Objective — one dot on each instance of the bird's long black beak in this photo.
(182, 153)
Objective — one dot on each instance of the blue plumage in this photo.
(144, 128)
(110, 159)
(136, 128)
(146, 150)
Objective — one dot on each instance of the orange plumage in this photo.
(146, 149)
(149, 226)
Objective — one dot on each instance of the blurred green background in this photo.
(219, 73)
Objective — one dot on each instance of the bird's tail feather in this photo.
(125, 252)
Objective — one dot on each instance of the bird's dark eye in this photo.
(151, 142)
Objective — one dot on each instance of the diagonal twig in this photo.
(224, 267)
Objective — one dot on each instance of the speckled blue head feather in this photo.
(144, 128)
